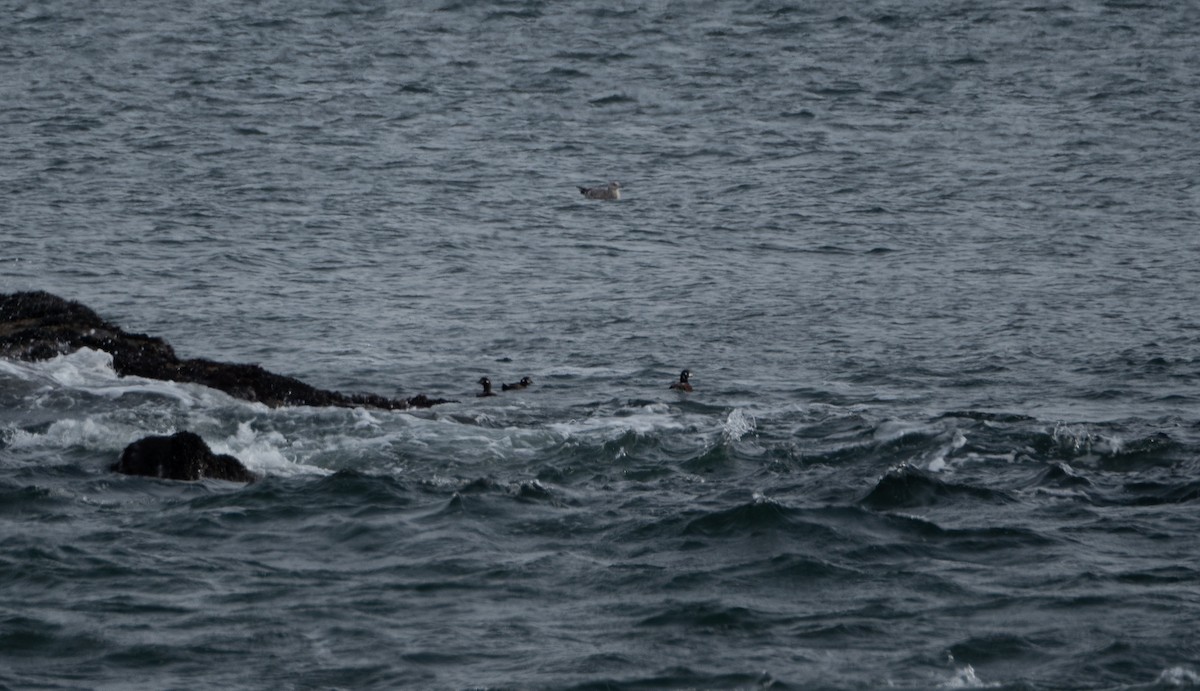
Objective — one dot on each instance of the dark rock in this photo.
(181, 456)
(39, 326)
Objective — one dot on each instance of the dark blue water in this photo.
(933, 266)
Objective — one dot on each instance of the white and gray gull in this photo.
(610, 191)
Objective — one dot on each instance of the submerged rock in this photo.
(39, 326)
(181, 456)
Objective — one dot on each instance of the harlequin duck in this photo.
(487, 388)
(682, 384)
(524, 383)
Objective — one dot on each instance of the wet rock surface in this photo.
(39, 326)
(181, 456)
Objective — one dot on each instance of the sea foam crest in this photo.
(1080, 440)
(1179, 676)
(89, 433)
(938, 461)
(91, 371)
(738, 424)
(83, 366)
(965, 678)
(890, 431)
(263, 452)
(641, 420)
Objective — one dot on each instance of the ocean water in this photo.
(933, 266)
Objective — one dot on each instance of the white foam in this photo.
(1179, 676)
(90, 432)
(965, 678)
(1080, 440)
(738, 424)
(81, 367)
(937, 461)
(265, 452)
(15, 368)
(894, 430)
(643, 420)
(91, 372)
(471, 443)
(363, 419)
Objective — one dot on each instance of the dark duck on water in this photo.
(524, 383)
(683, 384)
(487, 388)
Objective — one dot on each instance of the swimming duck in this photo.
(610, 191)
(682, 384)
(524, 383)
(487, 388)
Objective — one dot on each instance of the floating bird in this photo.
(610, 191)
(487, 388)
(525, 382)
(682, 384)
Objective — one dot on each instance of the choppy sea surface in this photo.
(934, 267)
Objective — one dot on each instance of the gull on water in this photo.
(610, 191)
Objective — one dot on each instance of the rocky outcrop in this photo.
(181, 456)
(39, 326)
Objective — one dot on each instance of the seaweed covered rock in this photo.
(181, 456)
(39, 325)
